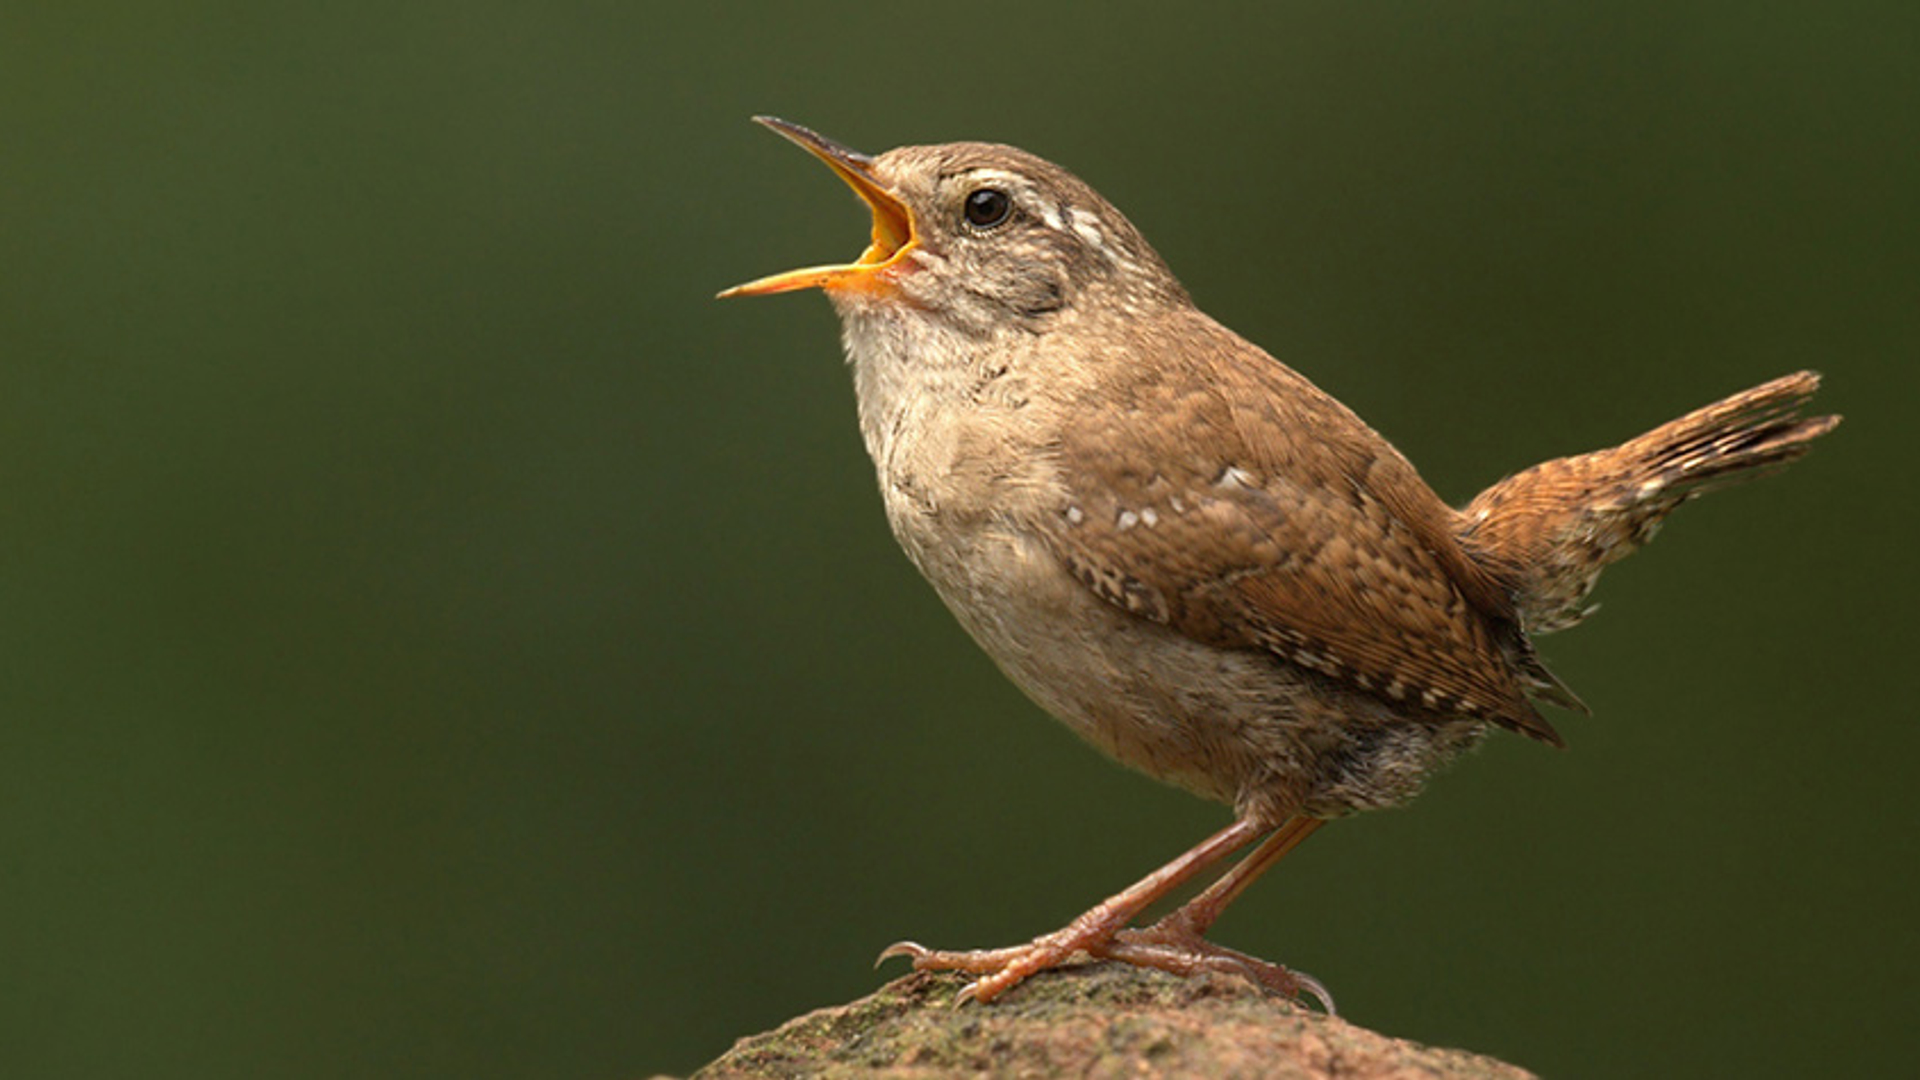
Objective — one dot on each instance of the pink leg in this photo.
(1002, 969)
(1200, 913)
(1178, 944)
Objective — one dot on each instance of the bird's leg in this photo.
(1200, 913)
(1178, 942)
(1002, 969)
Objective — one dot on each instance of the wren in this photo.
(1196, 559)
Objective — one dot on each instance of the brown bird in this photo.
(1195, 558)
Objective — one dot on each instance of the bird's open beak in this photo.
(893, 233)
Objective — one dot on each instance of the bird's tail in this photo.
(1551, 529)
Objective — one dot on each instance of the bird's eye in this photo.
(987, 207)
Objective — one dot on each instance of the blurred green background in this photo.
(439, 640)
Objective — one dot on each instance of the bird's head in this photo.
(978, 235)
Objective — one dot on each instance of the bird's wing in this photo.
(1279, 521)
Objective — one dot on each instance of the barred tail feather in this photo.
(1551, 529)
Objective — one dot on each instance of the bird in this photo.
(1199, 561)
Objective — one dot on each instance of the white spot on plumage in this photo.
(1088, 229)
(1234, 476)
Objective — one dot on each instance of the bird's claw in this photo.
(1311, 985)
(910, 949)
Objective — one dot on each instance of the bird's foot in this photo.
(1169, 945)
(1175, 944)
(1172, 946)
(1000, 970)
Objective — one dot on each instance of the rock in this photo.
(1094, 1019)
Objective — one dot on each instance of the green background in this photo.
(436, 639)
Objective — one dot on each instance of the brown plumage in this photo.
(1551, 529)
(1188, 553)
(1340, 559)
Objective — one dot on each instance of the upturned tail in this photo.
(1551, 529)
